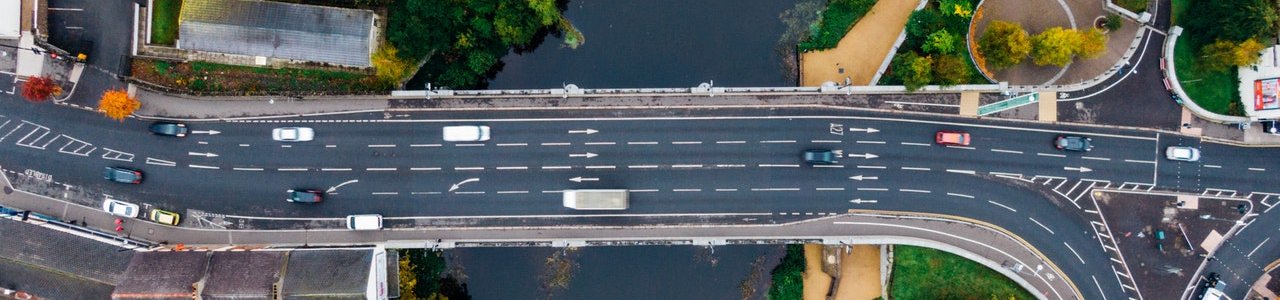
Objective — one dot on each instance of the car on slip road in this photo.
(123, 175)
(819, 157)
(305, 196)
(1073, 143)
(169, 129)
(952, 138)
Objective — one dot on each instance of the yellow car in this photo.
(165, 217)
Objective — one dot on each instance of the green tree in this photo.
(1091, 43)
(942, 42)
(1003, 45)
(788, 276)
(1222, 54)
(913, 70)
(1235, 20)
(1055, 46)
(962, 8)
(950, 70)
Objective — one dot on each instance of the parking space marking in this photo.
(160, 162)
(117, 155)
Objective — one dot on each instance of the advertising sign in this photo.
(1265, 94)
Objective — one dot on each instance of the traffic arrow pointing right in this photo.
(586, 131)
(209, 132)
(587, 155)
(867, 156)
(867, 130)
(1081, 169)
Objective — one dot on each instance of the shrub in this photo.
(1113, 22)
(1004, 44)
(951, 70)
(1221, 55)
(39, 88)
(788, 276)
(912, 69)
(389, 66)
(117, 104)
(1091, 43)
(942, 42)
(835, 21)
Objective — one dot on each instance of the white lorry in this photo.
(596, 199)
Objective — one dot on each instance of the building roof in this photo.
(56, 265)
(242, 275)
(280, 30)
(327, 274)
(1258, 86)
(162, 275)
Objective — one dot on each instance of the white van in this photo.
(364, 222)
(466, 133)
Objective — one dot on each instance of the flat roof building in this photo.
(337, 36)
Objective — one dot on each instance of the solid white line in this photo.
(425, 145)
(830, 189)
(1212, 166)
(915, 169)
(1073, 251)
(382, 146)
(1050, 154)
(687, 143)
(513, 144)
(599, 143)
(686, 166)
(468, 168)
(960, 195)
(203, 167)
(642, 143)
(1095, 158)
(778, 142)
(970, 172)
(642, 191)
(916, 144)
(726, 190)
(961, 147)
(380, 169)
(1140, 161)
(386, 193)
(1255, 249)
(731, 142)
(870, 142)
(642, 167)
(914, 191)
(291, 169)
(555, 144)
(335, 169)
(1046, 228)
(1002, 205)
(873, 189)
(826, 141)
(513, 192)
(513, 168)
(828, 166)
(774, 189)
(686, 190)
(602, 167)
(468, 145)
(247, 169)
(872, 167)
(778, 166)
(424, 169)
(1257, 169)
(556, 167)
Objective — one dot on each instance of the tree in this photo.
(1091, 43)
(1223, 54)
(38, 89)
(962, 8)
(1055, 46)
(941, 42)
(913, 70)
(408, 278)
(950, 70)
(1234, 20)
(1003, 45)
(1247, 52)
(389, 66)
(117, 104)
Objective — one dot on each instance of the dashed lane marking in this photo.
(829, 189)
(1073, 251)
(382, 146)
(1212, 166)
(960, 195)
(827, 141)
(915, 169)
(914, 191)
(291, 169)
(425, 145)
(1096, 158)
(915, 144)
(1050, 154)
(468, 168)
(424, 169)
(380, 169)
(686, 166)
(326, 146)
(726, 190)
(291, 146)
(642, 167)
(386, 193)
(687, 143)
(468, 145)
(731, 166)
(870, 142)
(513, 168)
(1140, 161)
(513, 192)
(244, 145)
(686, 190)
(335, 169)
(1257, 169)
(731, 142)
(640, 191)
(828, 166)
(425, 193)
(600, 143)
(778, 142)
(1002, 205)
(512, 144)
(204, 167)
(469, 193)
(970, 172)
(1046, 228)
(872, 167)
(601, 167)
(775, 190)
(554, 144)
(556, 167)
(247, 169)
(874, 189)
(778, 166)
(961, 147)
(642, 143)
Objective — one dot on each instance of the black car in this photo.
(819, 157)
(305, 196)
(169, 129)
(123, 175)
(1073, 143)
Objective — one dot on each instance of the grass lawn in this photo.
(924, 273)
(217, 79)
(1135, 6)
(1214, 91)
(164, 24)
(1179, 8)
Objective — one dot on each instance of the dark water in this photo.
(656, 43)
(619, 273)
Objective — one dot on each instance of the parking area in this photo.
(101, 28)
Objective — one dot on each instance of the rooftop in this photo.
(280, 30)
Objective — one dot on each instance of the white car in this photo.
(120, 208)
(1180, 153)
(293, 134)
(364, 222)
(466, 133)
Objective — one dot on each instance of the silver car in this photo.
(120, 208)
(293, 134)
(1180, 153)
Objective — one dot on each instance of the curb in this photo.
(1172, 83)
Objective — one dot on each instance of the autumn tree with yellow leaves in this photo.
(117, 104)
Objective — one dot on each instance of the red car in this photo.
(952, 138)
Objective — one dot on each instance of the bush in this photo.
(942, 42)
(788, 276)
(116, 104)
(951, 70)
(1221, 55)
(1113, 22)
(39, 88)
(1207, 21)
(389, 66)
(913, 70)
(835, 21)
(1004, 44)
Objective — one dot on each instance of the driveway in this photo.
(104, 27)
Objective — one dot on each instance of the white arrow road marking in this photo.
(867, 130)
(209, 132)
(335, 188)
(860, 201)
(586, 131)
(460, 183)
(860, 177)
(581, 179)
(205, 154)
(867, 156)
(1081, 169)
(587, 155)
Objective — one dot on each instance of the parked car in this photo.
(120, 208)
(169, 129)
(819, 157)
(952, 138)
(466, 133)
(305, 196)
(1180, 153)
(165, 217)
(123, 175)
(293, 134)
(364, 222)
(1073, 143)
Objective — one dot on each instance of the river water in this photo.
(620, 273)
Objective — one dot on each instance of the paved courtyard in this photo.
(1037, 16)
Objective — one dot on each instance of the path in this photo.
(816, 282)
(863, 49)
(859, 273)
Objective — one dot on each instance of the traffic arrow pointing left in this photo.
(581, 179)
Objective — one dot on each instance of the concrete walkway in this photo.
(863, 49)
(1039, 15)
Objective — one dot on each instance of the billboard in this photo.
(1265, 93)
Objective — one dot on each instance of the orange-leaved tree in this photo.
(38, 89)
(117, 104)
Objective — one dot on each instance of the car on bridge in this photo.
(1073, 143)
(952, 138)
(305, 196)
(169, 129)
(120, 208)
(819, 157)
(466, 133)
(293, 134)
(123, 175)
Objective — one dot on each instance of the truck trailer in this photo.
(596, 199)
